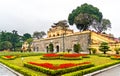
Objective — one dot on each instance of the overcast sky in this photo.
(28, 16)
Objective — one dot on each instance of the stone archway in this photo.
(57, 48)
(47, 49)
(37, 49)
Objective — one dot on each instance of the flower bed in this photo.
(61, 66)
(117, 57)
(8, 57)
(74, 56)
(54, 70)
(104, 55)
(71, 55)
(90, 70)
(50, 56)
(64, 56)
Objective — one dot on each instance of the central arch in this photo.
(47, 49)
(57, 48)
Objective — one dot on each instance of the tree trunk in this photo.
(104, 52)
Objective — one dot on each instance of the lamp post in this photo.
(22, 59)
(63, 44)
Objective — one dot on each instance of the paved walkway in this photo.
(111, 72)
(6, 71)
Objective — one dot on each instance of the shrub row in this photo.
(19, 54)
(62, 58)
(90, 70)
(104, 55)
(59, 71)
(49, 58)
(73, 56)
(19, 69)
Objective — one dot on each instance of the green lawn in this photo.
(93, 58)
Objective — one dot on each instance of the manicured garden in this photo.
(40, 64)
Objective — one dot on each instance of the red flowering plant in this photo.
(51, 56)
(74, 56)
(64, 56)
(8, 57)
(84, 55)
(71, 55)
(60, 66)
(115, 57)
(57, 69)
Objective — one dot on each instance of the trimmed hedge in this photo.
(49, 58)
(71, 58)
(19, 54)
(62, 58)
(75, 56)
(59, 71)
(104, 55)
(90, 70)
(19, 69)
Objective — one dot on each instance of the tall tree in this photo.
(15, 39)
(12, 37)
(84, 16)
(5, 45)
(26, 36)
(102, 26)
(39, 35)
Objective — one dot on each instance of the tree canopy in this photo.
(103, 26)
(9, 38)
(38, 35)
(104, 47)
(12, 40)
(77, 48)
(5, 45)
(86, 15)
(26, 36)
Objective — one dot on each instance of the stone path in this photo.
(5, 71)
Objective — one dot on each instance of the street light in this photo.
(63, 44)
(22, 59)
(64, 33)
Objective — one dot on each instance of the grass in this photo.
(93, 58)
